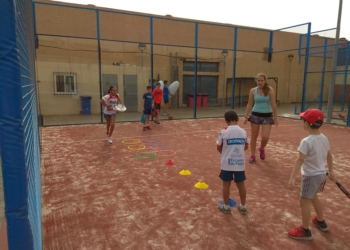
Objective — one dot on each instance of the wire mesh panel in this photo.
(252, 57)
(214, 68)
(173, 58)
(125, 65)
(85, 48)
(19, 131)
(68, 72)
(320, 63)
(124, 27)
(342, 87)
(290, 59)
(320, 71)
(58, 20)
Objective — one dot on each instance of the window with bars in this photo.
(65, 83)
(201, 66)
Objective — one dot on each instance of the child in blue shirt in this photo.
(148, 104)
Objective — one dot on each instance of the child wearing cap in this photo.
(314, 154)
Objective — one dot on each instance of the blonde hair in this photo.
(266, 88)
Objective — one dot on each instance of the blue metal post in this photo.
(320, 98)
(299, 50)
(99, 59)
(34, 17)
(270, 46)
(234, 68)
(195, 71)
(151, 48)
(306, 67)
(151, 52)
(36, 45)
(345, 76)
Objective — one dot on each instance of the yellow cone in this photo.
(185, 172)
(201, 185)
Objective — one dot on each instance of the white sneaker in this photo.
(109, 140)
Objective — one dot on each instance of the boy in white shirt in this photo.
(314, 153)
(232, 143)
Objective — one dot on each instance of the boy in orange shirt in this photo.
(157, 94)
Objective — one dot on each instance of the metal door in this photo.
(208, 85)
(109, 80)
(188, 87)
(130, 92)
(205, 84)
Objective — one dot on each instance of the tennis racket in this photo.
(341, 187)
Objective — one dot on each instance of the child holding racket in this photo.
(231, 143)
(314, 153)
(109, 101)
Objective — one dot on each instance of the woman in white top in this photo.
(109, 101)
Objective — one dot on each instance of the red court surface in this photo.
(3, 236)
(100, 196)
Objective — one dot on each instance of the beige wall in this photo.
(87, 84)
(62, 54)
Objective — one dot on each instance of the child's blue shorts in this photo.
(237, 176)
(147, 111)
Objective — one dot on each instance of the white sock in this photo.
(242, 205)
(226, 206)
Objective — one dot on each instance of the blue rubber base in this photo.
(231, 202)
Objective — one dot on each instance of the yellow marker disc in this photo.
(185, 172)
(201, 185)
